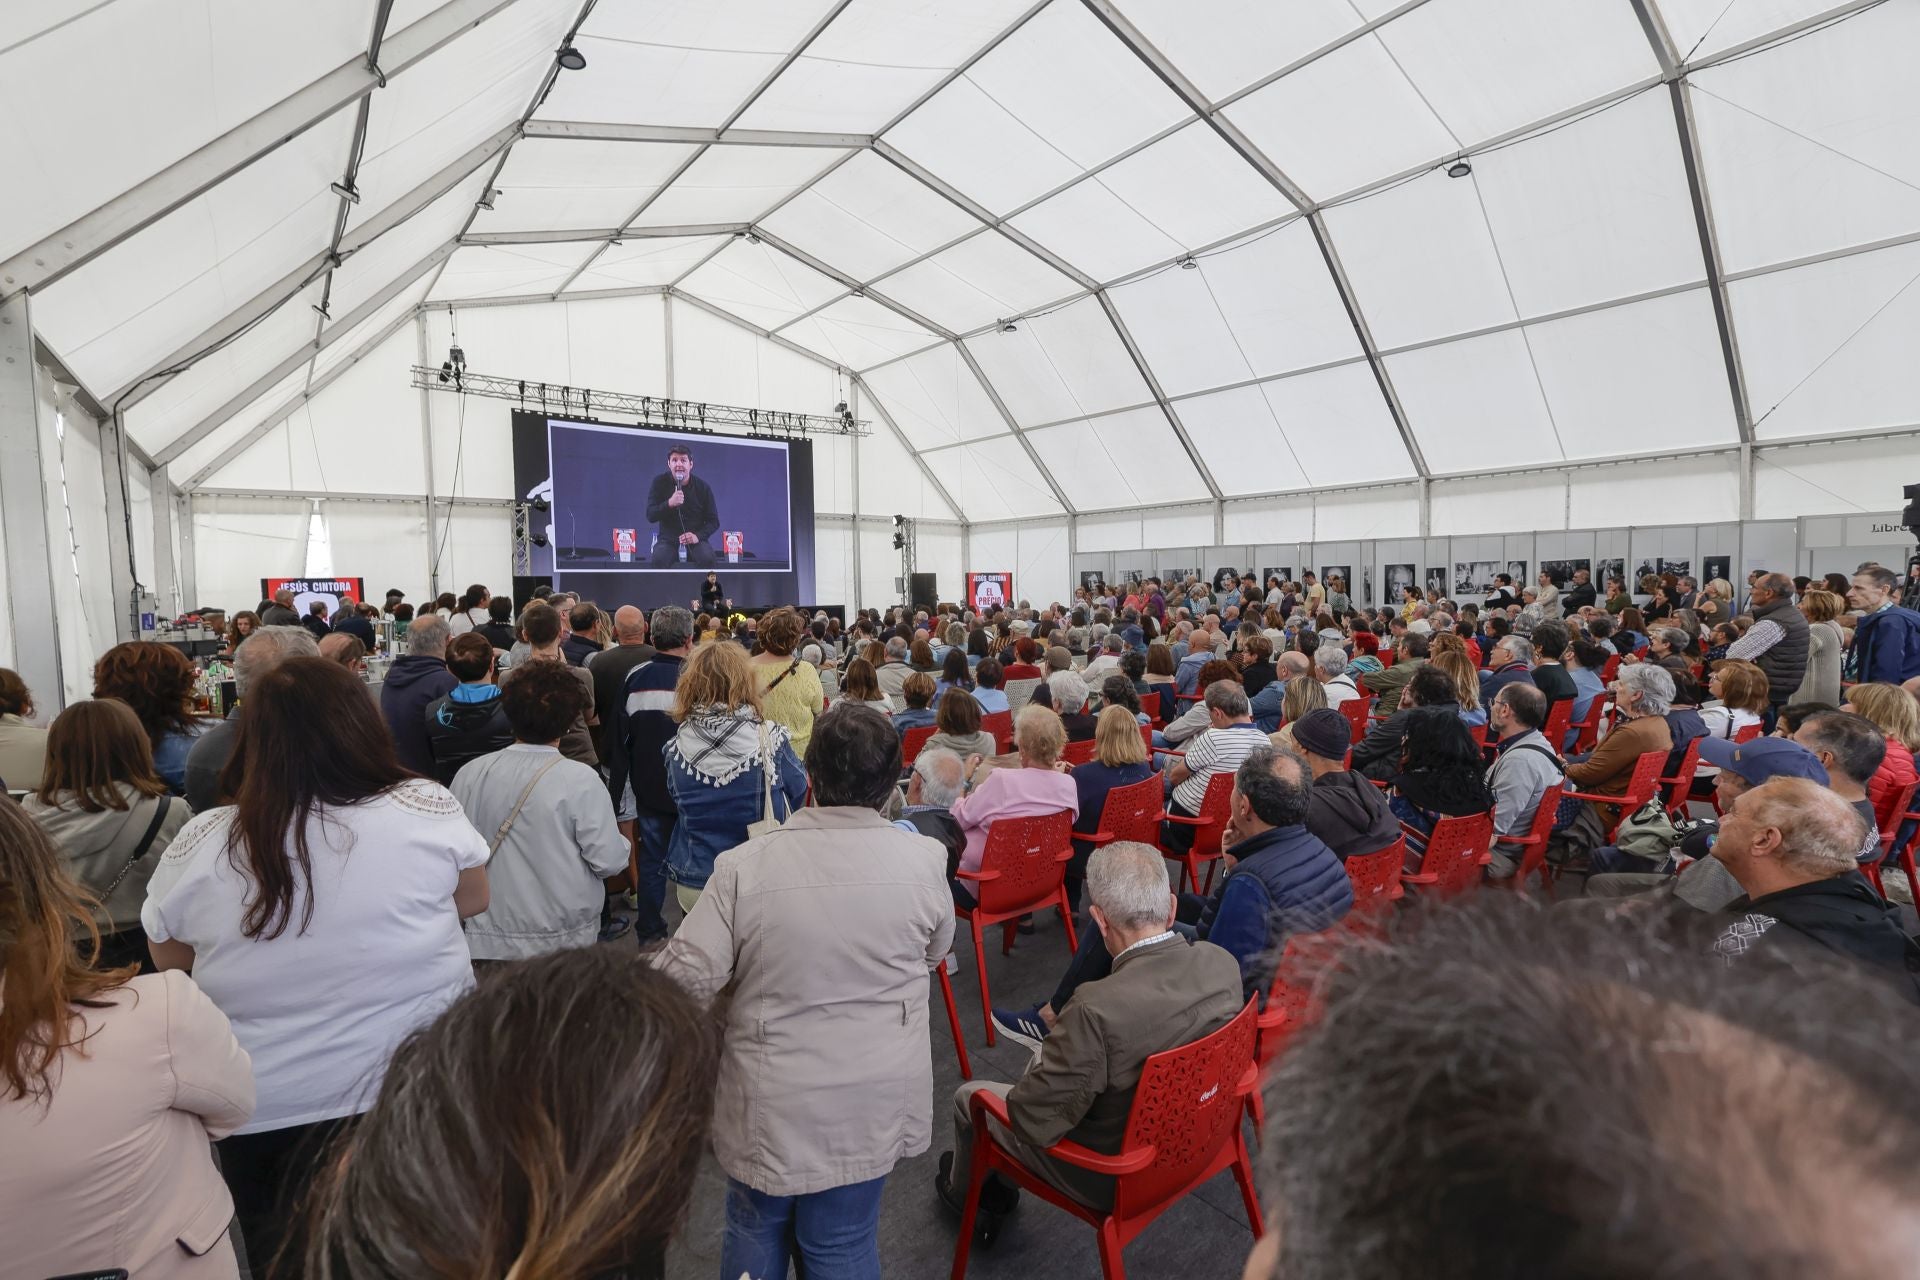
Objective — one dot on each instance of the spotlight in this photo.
(840, 410)
(899, 542)
(572, 59)
(1459, 168)
(1187, 263)
(898, 521)
(1008, 326)
(540, 504)
(346, 193)
(539, 539)
(486, 200)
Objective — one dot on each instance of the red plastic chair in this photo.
(1146, 737)
(1022, 870)
(912, 741)
(1000, 725)
(1078, 752)
(1183, 1129)
(1375, 878)
(1293, 1002)
(953, 1022)
(1642, 785)
(1589, 728)
(1132, 812)
(1357, 712)
(1533, 844)
(1612, 669)
(1747, 734)
(1215, 808)
(1559, 720)
(1889, 816)
(1680, 785)
(1457, 848)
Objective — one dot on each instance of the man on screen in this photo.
(683, 509)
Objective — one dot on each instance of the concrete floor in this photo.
(1205, 1235)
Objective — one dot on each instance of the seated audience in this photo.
(552, 838)
(1118, 691)
(1466, 684)
(1068, 696)
(727, 767)
(917, 692)
(1851, 749)
(1300, 695)
(111, 1088)
(1258, 670)
(1119, 760)
(858, 685)
(551, 1122)
(1270, 705)
(1441, 775)
(1108, 659)
(1509, 661)
(1231, 738)
(958, 723)
(1550, 641)
(111, 817)
(790, 689)
(1330, 667)
(23, 746)
(937, 779)
(1039, 785)
(470, 721)
(843, 1012)
(1585, 663)
(1642, 696)
(1898, 715)
(1409, 656)
(541, 625)
(1196, 719)
(1025, 651)
(988, 678)
(1739, 693)
(1377, 755)
(413, 684)
(1511, 1163)
(321, 912)
(1349, 814)
(347, 651)
(1525, 764)
(1160, 991)
(157, 681)
(893, 672)
(955, 673)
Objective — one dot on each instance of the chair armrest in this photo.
(978, 876)
(1423, 877)
(1170, 751)
(1593, 796)
(985, 1104)
(1188, 822)
(1095, 837)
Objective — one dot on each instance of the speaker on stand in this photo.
(923, 592)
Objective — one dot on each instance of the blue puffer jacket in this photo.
(1287, 882)
(714, 815)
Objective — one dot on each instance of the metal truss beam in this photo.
(853, 286)
(681, 231)
(307, 351)
(586, 131)
(86, 238)
(529, 299)
(866, 392)
(400, 499)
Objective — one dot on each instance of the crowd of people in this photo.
(366, 948)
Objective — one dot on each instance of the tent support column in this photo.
(1749, 460)
(166, 574)
(426, 452)
(23, 513)
(1219, 523)
(189, 569)
(1426, 507)
(113, 479)
(853, 402)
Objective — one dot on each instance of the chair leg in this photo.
(1243, 1174)
(976, 1178)
(1066, 919)
(1193, 870)
(1256, 1112)
(980, 966)
(1007, 932)
(1112, 1265)
(1872, 870)
(1212, 863)
(953, 1021)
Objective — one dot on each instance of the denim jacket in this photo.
(714, 816)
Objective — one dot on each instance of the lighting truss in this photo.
(662, 411)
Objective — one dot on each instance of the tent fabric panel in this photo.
(1705, 489)
(736, 184)
(1119, 460)
(1702, 28)
(1225, 45)
(567, 184)
(718, 361)
(867, 217)
(1064, 364)
(331, 437)
(760, 284)
(1092, 227)
(1814, 146)
(645, 262)
(504, 270)
(117, 315)
(1240, 440)
(1269, 520)
(342, 343)
(984, 278)
(991, 480)
(1361, 514)
(1493, 504)
(934, 399)
(134, 86)
(1339, 426)
(372, 268)
(1194, 187)
(858, 332)
(1264, 306)
(1828, 348)
(1845, 477)
(1461, 396)
(215, 444)
(890, 479)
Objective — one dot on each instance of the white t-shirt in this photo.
(321, 1011)
(464, 621)
(1340, 689)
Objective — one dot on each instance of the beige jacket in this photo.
(114, 1170)
(23, 753)
(826, 929)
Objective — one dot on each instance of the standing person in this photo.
(541, 623)
(280, 613)
(728, 767)
(321, 912)
(807, 1147)
(682, 507)
(790, 690)
(23, 746)
(1777, 641)
(580, 642)
(1826, 646)
(350, 620)
(1886, 641)
(1579, 593)
(550, 1123)
(157, 681)
(267, 649)
(646, 727)
(413, 684)
(610, 668)
(469, 722)
(498, 628)
(316, 620)
(549, 823)
(111, 1087)
(473, 612)
(111, 816)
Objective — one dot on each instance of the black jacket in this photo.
(697, 512)
(578, 649)
(412, 683)
(461, 731)
(609, 670)
(357, 626)
(316, 627)
(1576, 596)
(1350, 814)
(1552, 679)
(1842, 915)
(498, 634)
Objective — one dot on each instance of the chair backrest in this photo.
(1609, 671)
(1644, 782)
(1746, 734)
(1078, 752)
(1216, 806)
(1356, 710)
(1146, 736)
(1893, 811)
(1293, 998)
(1189, 1102)
(912, 741)
(1681, 780)
(1000, 725)
(1027, 853)
(1020, 693)
(1454, 850)
(1374, 876)
(1590, 727)
(1559, 720)
(1537, 834)
(1133, 812)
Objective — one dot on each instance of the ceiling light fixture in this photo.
(572, 59)
(1008, 326)
(1459, 168)
(752, 238)
(1187, 263)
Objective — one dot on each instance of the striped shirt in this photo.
(1215, 751)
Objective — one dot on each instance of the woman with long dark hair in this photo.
(954, 674)
(111, 1086)
(242, 625)
(157, 681)
(1442, 773)
(548, 1125)
(321, 912)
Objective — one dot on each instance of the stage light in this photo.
(345, 192)
(898, 542)
(572, 59)
(1187, 263)
(540, 504)
(486, 200)
(1008, 326)
(1459, 168)
(898, 521)
(539, 539)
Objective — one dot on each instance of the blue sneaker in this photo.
(1023, 1025)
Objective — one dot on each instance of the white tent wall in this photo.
(78, 539)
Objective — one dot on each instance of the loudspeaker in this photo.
(925, 595)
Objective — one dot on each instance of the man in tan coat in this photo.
(1164, 992)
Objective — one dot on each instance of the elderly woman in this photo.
(826, 1074)
(1039, 785)
(1069, 694)
(1739, 693)
(1643, 694)
(1826, 643)
(790, 689)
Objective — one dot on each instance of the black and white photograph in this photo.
(1366, 599)
(1642, 572)
(1437, 580)
(1613, 568)
(1091, 578)
(1341, 571)
(1225, 578)
(1560, 572)
(1399, 578)
(1712, 567)
(1678, 568)
(1517, 570)
(1473, 578)
(1176, 579)
(1283, 572)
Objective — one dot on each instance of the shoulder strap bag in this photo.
(140, 850)
(775, 683)
(500, 836)
(767, 821)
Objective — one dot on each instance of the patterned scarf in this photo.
(716, 745)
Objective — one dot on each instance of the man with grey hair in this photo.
(413, 683)
(894, 671)
(1231, 738)
(1330, 668)
(939, 778)
(1510, 662)
(1163, 992)
(258, 654)
(280, 613)
(1777, 642)
(1107, 660)
(1793, 845)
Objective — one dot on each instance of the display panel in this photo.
(987, 592)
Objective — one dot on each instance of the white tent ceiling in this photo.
(1086, 254)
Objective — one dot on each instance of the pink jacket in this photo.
(114, 1170)
(1010, 793)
